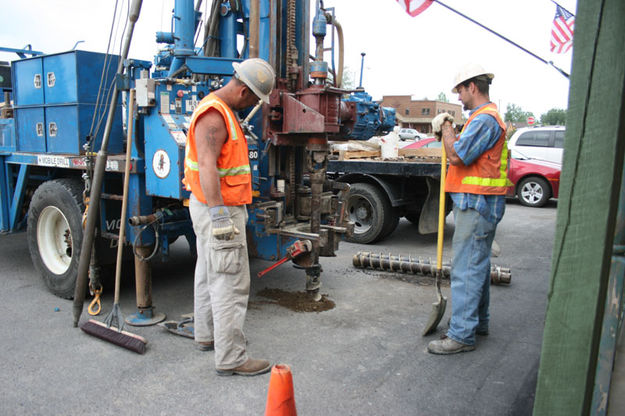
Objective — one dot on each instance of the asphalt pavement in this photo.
(366, 356)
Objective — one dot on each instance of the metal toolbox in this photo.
(55, 100)
(63, 129)
(68, 77)
(30, 128)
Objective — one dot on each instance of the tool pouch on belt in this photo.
(226, 257)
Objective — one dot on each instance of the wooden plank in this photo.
(358, 154)
(591, 178)
(421, 152)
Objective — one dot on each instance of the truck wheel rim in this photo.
(54, 239)
(360, 213)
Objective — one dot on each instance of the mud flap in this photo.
(428, 220)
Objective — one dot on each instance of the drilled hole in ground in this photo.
(296, 301)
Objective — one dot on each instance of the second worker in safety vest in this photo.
(217, 172)
(477, 182)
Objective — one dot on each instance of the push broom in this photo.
(106, 330)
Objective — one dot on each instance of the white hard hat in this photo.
(470, 71)
(258, 75)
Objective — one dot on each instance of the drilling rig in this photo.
(51, 138)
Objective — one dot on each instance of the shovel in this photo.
(438, 307)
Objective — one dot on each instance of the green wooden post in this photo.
(589, 194)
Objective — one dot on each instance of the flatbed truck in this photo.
(383, 191)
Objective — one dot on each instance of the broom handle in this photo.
(98, 176)
(441, 210)
(122, 225)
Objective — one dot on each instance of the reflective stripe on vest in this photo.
(233, 167)
(488, 173)
(503, 173)
(192, 164)
(230, 121)
(238, 170)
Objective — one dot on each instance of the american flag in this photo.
(562, 31)
(414, 7)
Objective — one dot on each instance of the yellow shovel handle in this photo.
(441, 210)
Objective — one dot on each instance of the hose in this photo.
(156, 239)
(338, 81)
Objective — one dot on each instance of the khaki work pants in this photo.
(222, 286)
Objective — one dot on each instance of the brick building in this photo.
(418, 114)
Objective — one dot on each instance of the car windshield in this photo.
(435, 144)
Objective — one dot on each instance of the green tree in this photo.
(514, 113)
(554, 117)
(442, 97)
(349, 78)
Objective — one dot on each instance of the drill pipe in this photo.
(388, 262)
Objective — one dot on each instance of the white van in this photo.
(411, 134)
(543, 143)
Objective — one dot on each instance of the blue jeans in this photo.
(470, 275)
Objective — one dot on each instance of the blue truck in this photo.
(66, 116)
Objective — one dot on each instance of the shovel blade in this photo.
(438, 311)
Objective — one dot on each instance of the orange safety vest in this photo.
(488, 174)
(233, 164)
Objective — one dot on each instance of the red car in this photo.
(535, 181)
(429, 142)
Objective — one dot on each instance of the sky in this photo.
(417, 56)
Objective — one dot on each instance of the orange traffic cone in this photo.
(281, 398)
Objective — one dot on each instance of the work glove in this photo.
(223, 227)
(437, 124)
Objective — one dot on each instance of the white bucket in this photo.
(389, 146)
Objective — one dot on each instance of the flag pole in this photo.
(560, 6)
(504, 38)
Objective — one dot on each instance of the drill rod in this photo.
(409, 264)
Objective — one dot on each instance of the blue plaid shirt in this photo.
(479, 136)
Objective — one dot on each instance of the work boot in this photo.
(251, 367)
(206, 346)
(448, 346)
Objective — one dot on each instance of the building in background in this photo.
(418, 114)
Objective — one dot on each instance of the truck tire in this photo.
(54, 233)
(390, 223)
(371, 213)
(534, 192)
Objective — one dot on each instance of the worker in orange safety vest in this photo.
(476, 181)
(217, 172)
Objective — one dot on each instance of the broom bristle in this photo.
(124, 339)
